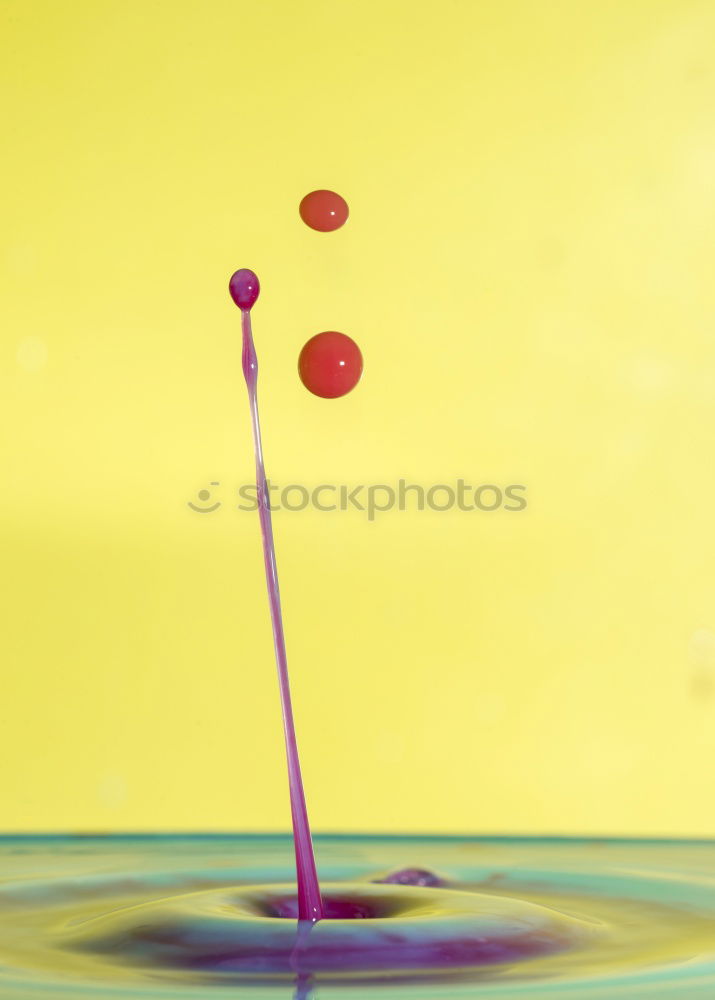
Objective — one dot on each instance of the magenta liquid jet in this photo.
(244, 288)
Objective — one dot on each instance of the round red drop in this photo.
(324, 211)
(330, 364)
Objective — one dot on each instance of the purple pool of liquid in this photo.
(368, 928)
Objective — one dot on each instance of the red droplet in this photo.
(330, 364)
(324, 211)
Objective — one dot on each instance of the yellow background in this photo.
(528, 268)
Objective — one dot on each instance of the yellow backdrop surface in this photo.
(528, 268)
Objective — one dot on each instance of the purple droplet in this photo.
(244, 288)
(412, 876)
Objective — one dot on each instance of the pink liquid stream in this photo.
(310, 904)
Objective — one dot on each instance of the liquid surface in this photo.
(195, 917)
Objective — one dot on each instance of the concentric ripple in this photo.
(179, 917)
(378, 928)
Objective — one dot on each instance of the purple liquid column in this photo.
(244, 289)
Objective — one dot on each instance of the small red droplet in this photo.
(330, 364)
(324, 211)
